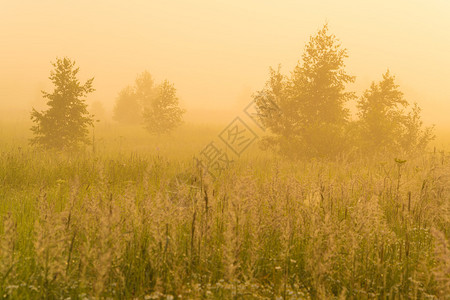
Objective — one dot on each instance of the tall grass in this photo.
(116, 225)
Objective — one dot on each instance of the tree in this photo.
(144, 88)
(384, 125)
(132, 100)
(127, 109)
(313, 117)
(380, 112)
(163, 113)
(415, 137)
(155, 106)
(64, 125)
(279, 113)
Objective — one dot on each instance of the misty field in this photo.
(137, 221)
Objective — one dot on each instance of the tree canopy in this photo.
(385, 124)
(163, 113)
(306, 112)
(155, 106)
(64, 125)
(127, 109)
(311, 101)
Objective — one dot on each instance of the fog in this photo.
(217, 53)
(212, 149)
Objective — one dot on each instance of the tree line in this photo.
(65, 124)
(304, 111)
(307, 117)
(154, 105)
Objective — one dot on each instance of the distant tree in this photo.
(380, 112)
(127, 109)
(278, 112)
(415, 137)
(163, 114)
(145, 88)
(384, 125)
(64, 125)
(132, 100)
(312, 117)
(155, 106)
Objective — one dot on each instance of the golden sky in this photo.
(218, 52)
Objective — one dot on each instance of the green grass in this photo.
(136, 219)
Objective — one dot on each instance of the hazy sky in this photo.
(217, 52)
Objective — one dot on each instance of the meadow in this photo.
(133, 218)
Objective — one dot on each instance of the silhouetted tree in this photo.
(278, 112)
(318, 87)
(144, 88)
(312, 117)
(132, 100)
(384, 125)
(380, 111)
(64, 125)
(127, 109)
(415, 137)
(163, 113)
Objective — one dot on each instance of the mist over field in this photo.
(224, 149)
